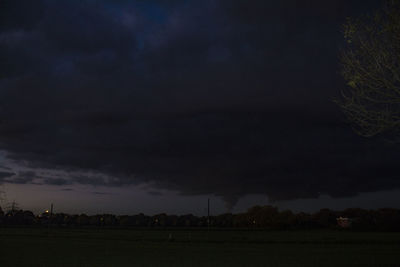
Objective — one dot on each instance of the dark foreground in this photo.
(116, 247)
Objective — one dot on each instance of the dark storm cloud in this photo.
(5, 175)
(67, 189)
(155, 193)
(5, 168)
(222, 97)
(56, 181)
(101, 193)
(21, 177)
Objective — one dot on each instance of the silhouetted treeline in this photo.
(265, 217)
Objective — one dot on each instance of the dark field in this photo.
(145, 247)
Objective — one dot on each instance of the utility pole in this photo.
(208, 213)
(49, 219)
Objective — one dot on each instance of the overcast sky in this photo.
(152, 102)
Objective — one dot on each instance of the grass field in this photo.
(117, 247)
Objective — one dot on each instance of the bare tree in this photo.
(371, 68)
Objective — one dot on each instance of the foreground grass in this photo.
(117, 247)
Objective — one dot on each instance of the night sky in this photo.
(154, 106)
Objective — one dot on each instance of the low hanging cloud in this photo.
(203, 97)
(5, 175)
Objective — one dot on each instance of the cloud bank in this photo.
(203, 97)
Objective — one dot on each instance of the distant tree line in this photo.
(259, 217)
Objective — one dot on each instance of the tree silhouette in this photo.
(371, 68)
